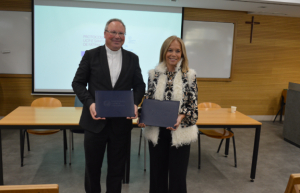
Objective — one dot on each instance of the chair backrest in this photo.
(141, 102)
(284, 92)
(42, 188)
(46, 102)
(294, 180)
(296, 188)
(77, 102)
(208, 105)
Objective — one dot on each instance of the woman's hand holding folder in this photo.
(179, 119)
(142, 125)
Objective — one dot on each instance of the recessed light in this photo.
(267, 13)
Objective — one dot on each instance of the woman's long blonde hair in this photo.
(164, 48)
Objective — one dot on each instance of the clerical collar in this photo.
(111, 51)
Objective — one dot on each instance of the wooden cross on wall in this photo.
(252, 24)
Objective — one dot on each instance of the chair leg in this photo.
(28, 144)
(24, 136)
(280, 110)
(220, 145)
(140, 141)
(199, 152)
(234, 150)
(277, 114)
(145, 153)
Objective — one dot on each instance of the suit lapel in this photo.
(125, 64)
(105, 67)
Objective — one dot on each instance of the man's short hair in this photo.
(112, 20)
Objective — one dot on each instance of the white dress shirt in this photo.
(114, 59)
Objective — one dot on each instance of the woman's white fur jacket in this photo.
(182, 135)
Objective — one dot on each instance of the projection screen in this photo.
(64, 30)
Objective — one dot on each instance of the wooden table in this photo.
(37, 118)
(221, 118)
(47, 118)
(68, 118)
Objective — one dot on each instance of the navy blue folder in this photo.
(114, 103)
(159, 113)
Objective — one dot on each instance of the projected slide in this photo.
(62, 34)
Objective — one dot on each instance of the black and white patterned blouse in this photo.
(189, 102)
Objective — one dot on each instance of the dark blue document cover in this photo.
(159, 113)
(114, 103)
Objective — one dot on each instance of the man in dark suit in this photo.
(107, 67)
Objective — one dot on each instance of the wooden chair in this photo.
(296, 188)
(77, 103)
(40, 188)
(215, 133)
(43, 102)
(293, 184)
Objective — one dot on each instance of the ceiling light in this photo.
(268, 13)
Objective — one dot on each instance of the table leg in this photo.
(22, 133)
(65, 146)
(70, 145)
(1, 163)
(141, 135)
(199, 151)
(145, 153)
(255, 153)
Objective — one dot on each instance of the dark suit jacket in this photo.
(93, 71)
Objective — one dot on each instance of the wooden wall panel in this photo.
(16, 91)
(15, 5)
(261, 69)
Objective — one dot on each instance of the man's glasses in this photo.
(121, 35)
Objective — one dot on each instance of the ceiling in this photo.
(289, 8)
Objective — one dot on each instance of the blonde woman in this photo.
(169, 147)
